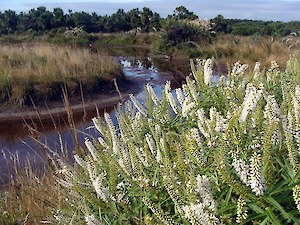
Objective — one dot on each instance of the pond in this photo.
(138, 66)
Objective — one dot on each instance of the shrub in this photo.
(206, 153)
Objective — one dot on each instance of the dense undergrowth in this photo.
(206, 153)
(41, 71)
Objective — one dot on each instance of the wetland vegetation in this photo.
(204, 151)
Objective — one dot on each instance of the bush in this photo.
(214, 153)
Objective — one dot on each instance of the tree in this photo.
(146, 14)
(155, 21)
(182, 13)
(82, 19)
(58, 19)
(9, 21)
(135, 18)
(219, 24)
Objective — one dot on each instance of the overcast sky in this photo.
(284, 10)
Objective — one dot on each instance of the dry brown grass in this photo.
(40, 71)
(30, 197)
(228, 48)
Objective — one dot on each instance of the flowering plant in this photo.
(206, 153)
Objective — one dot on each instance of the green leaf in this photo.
(272, 216)
(224, 209)
(264, 222)
(256, 208)
(228, 196)
(285, 214)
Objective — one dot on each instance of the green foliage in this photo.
(40, 20)
(251, 27)
(216, 153)
(182, 13)
(181, 38)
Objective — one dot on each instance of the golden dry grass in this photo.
(30, 197)
(41, 70)
(251, 49)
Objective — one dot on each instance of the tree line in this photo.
(41, 20)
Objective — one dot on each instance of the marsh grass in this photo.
(251, 49)
(40, 71)
(227, 48)
(31, 193)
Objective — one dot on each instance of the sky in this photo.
(276, 10)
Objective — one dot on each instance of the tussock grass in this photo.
(40, 71)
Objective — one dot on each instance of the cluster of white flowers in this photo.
(252, 96)
(238, 69)
(180, 95)
(170, 97)
(273, 71)
(241, 212)
(198, 214)
(91, 220)
(138, 105)
(296, 195)
(142, 156)
(102, 142)
(242, 169)
(205, 191)
(196, 135)
(256, 71)
(272, 110)
(251, 175)
(296, 103)
(96, 124)
(151, 143)
(152, 94)
(192, 88)
(215, 117)
(187, 107)
(80, 161)
(203, 212)
(102, 192)
(272, 113)
(203, 123)
(91, 148)
(208, 71)
(257, 181)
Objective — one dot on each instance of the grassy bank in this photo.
(230, 48)
(224, 153)
(41, 71)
